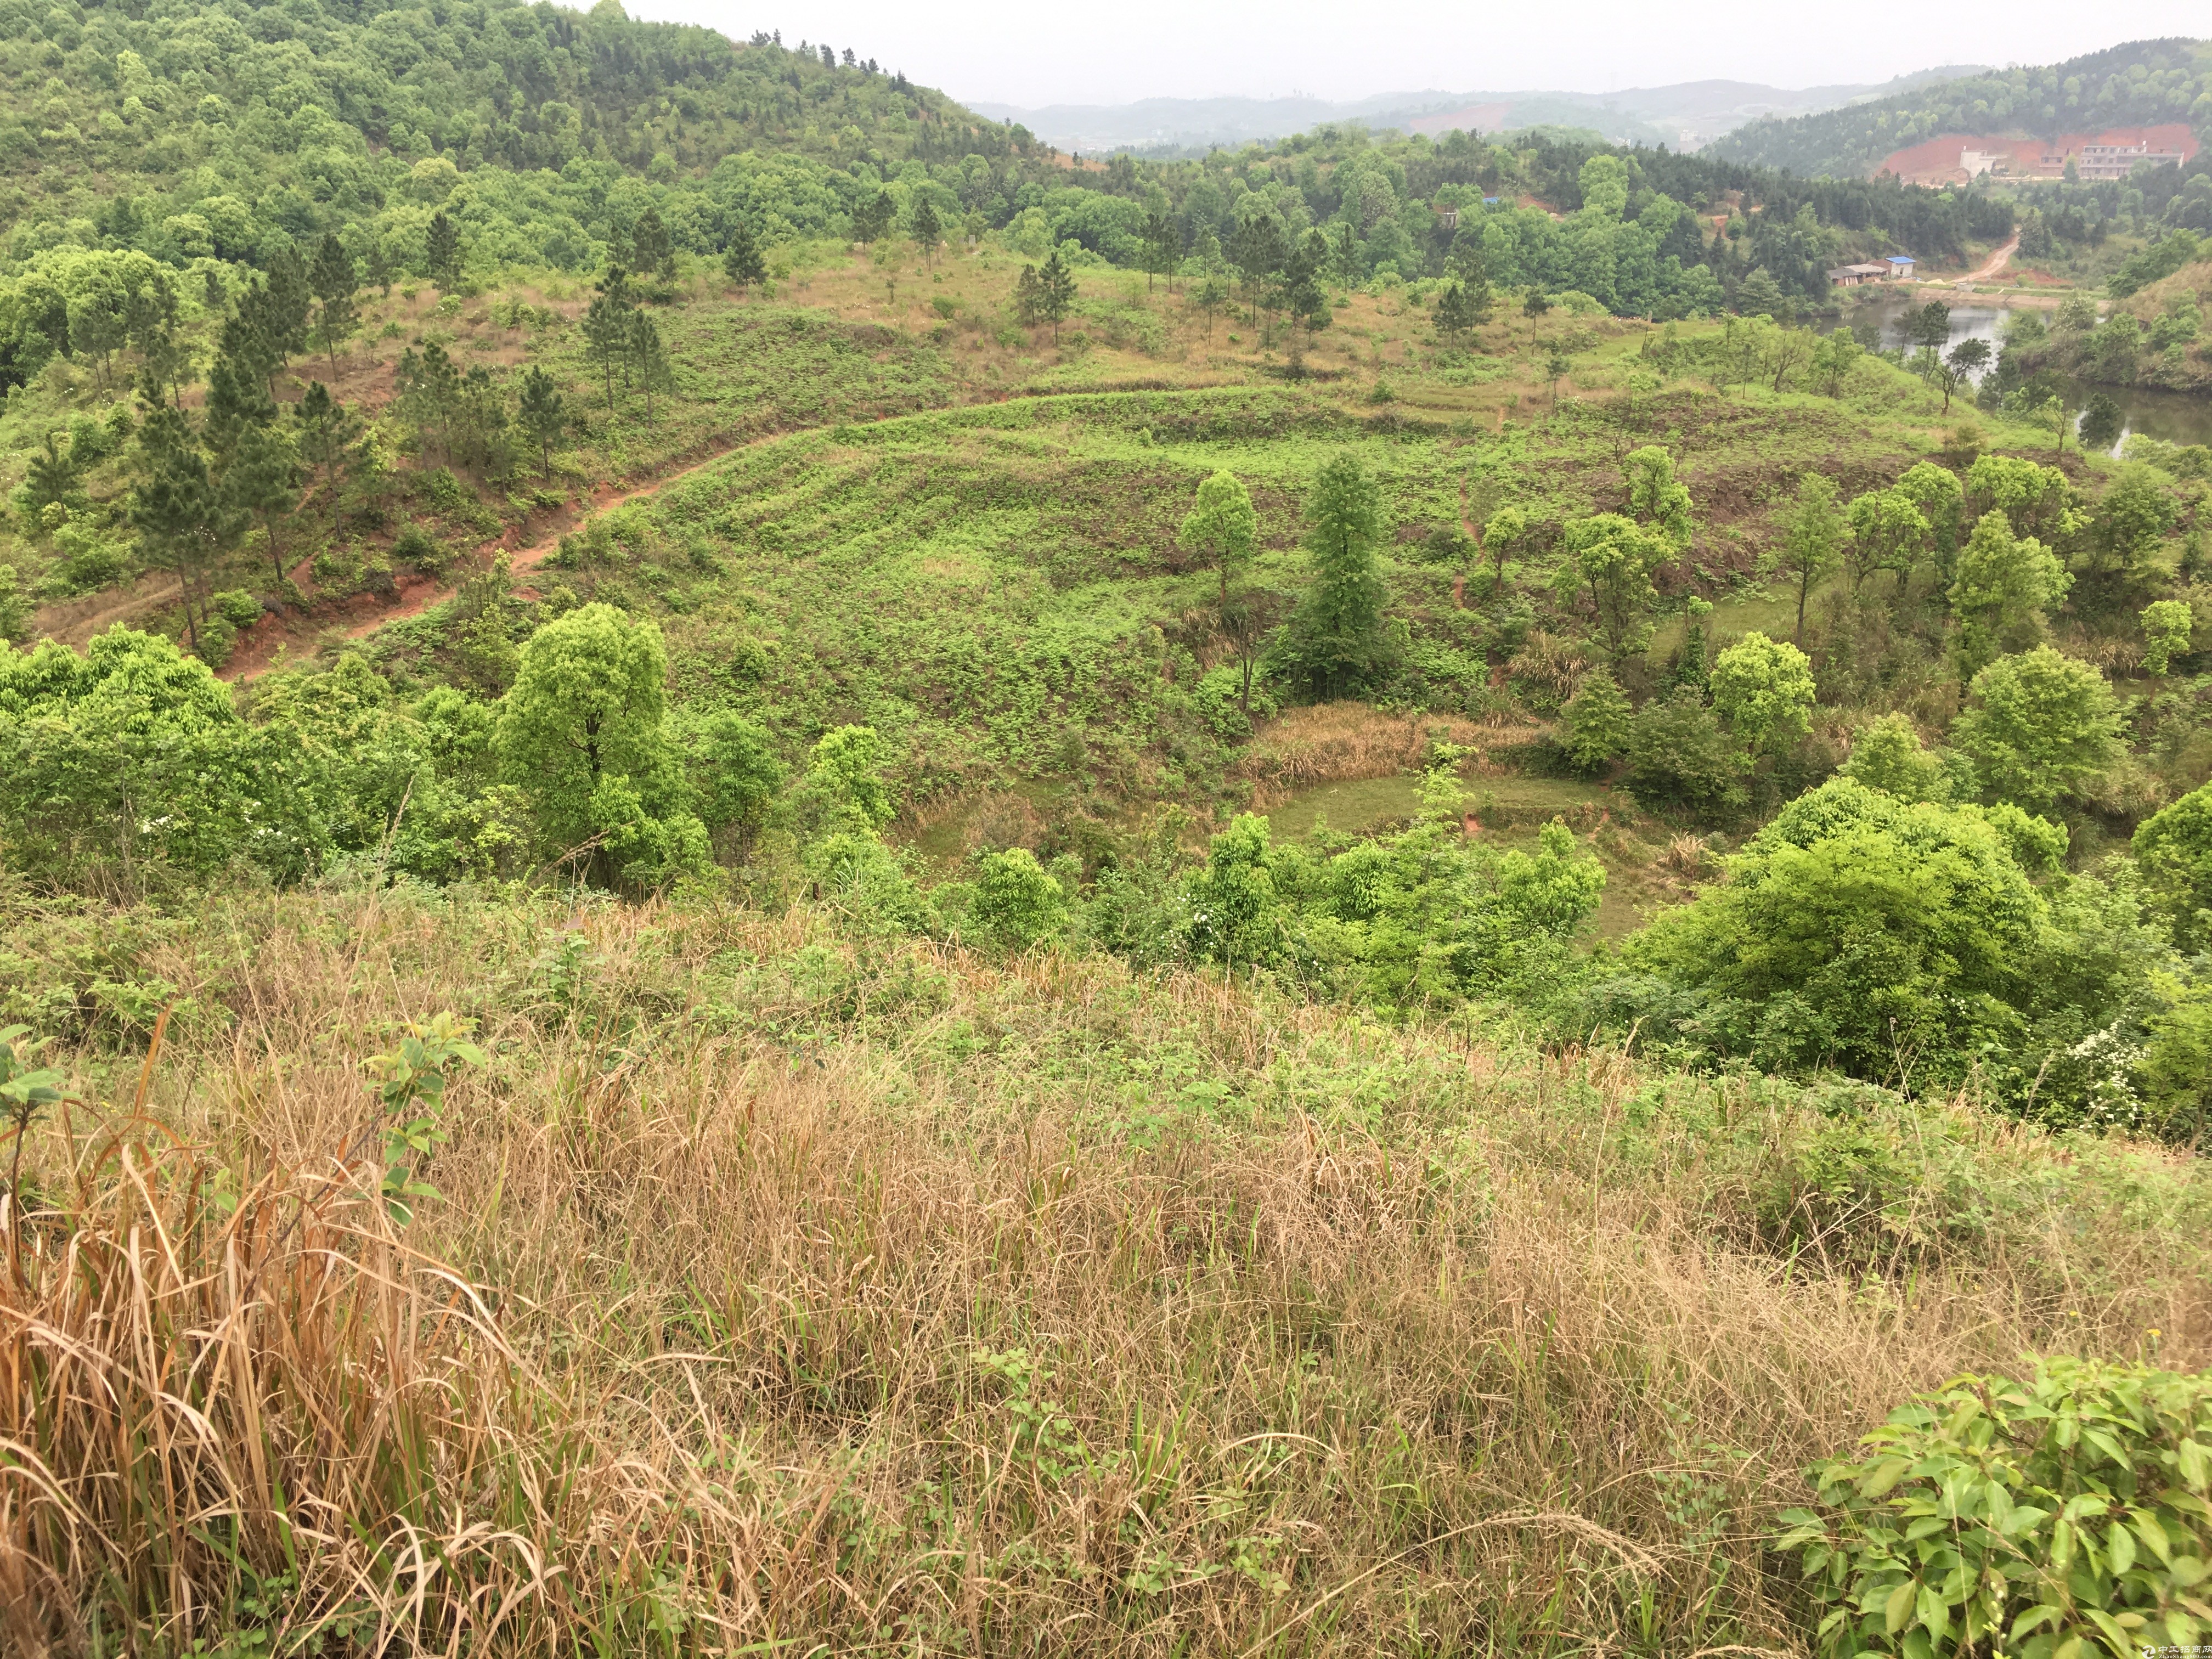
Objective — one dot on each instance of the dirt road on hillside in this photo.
(258, 645)
(1995, 262)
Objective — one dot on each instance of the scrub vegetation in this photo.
(776, 876)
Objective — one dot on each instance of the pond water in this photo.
(2176, 417)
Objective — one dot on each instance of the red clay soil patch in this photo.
(1936, 160)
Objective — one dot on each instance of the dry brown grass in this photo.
(1337, 742)
(1375, 1341)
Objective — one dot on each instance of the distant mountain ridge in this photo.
(2141, 83)
(1685, 115)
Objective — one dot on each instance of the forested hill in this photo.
(214, 138)
(184, 129)
(2139, 84)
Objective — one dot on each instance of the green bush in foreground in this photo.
(2061, 1516)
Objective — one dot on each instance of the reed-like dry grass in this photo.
(791, 1294)
(1338, 742)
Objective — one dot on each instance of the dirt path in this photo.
(1995, 262)
(71, 623)
(257, 646)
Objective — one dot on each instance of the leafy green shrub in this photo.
(236, 606)
(214, 640)
(1017, 901)
(2057, 1518)
(418, 547)
(1679, 760)
(446, 492)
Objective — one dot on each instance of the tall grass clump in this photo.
(767, 1289)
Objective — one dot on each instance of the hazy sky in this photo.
(1017, 52)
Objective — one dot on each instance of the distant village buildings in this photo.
(2117, 162)
(1895, 267)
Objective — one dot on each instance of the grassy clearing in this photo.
(899, 1300)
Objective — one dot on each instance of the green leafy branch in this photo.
(411, 1090)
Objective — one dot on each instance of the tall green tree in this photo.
(1594, 723)
(429, 387)
(331, 277)
(1455, 312)
(928, 229)
(651, 247)
(1046, 293)
(1257, 250)
(328, 431)
(650, 357)
(51, 477)
(1812, 543)
(543, 414)
(1887, 533)
(2129, 521)
(442, 252)
(1940, 498)
(262, 480)
(1887, 755)
(2038, 726)
(1764, 689)
(606, 339)
(872, 220)
(1157, 240)
(1557, 367)
(2174, 847)
(581, 734)
(2004, 584)
(1335, 640)
(1223, 527)
(2166, 625)
(1612, 559)
(183, 524)
(741, 261)
(1656, 495)
(287, 300)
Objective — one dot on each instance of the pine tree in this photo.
(606, 338)
(429, 392)
(289, 301)
(237, 401)
(651, 249)
(741, 261)
(327, 430)
(443, 251)
(873, 217)
(543, 413)
(263, 479)
(1256, 251)
(333, 279)
(1335, 640)
(1455, 311)
(650, 356)
(52, 476)
(1055, 292)
(1156, 237)
(378, 269)
(481, 414)
(182, 525)
(928, 229)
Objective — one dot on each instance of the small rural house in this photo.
(1858, 276)
(1900, 266)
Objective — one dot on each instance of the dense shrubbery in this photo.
(2062, 1513)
